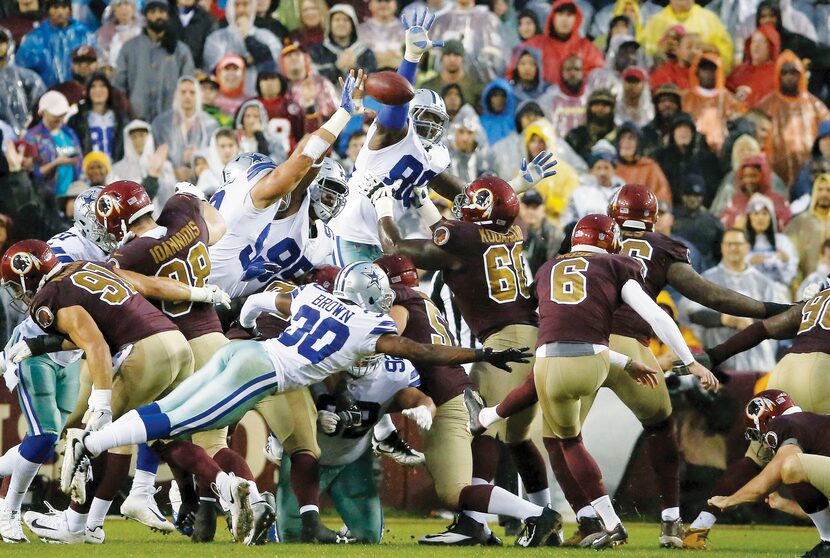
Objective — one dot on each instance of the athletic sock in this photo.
(488, 416)
(384, 428)
(503, 502)
(586, 511)
(75, 521)
(704, 520)
(540, 498)
(821, 519)
(98, 513)
(143, 482)
(605, 510)
(670, 514)
(7, 461)
(127, 430)
(24, 472)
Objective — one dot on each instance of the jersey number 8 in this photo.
(194, 272)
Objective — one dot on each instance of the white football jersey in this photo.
(374, 393)
(68, 247)
(408, 160)
(325, 336)
(287, 250)
(243, 239)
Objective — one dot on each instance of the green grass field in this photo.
(129, 539)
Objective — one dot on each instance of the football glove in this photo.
(500, 359)
(190, 189)
(421, 415)
(327, 421)
(210, 294)
(417, 40)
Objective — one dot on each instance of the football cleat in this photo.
(264, 516)
(141, 506)
(671, 533)
(588, 529)
(616, 536)
(52, 527)
(273, 450)
(474, 404)
(203, 527)
(394, 447)
(695, 539)
(75, 466)
(463, 531)
(11, 527)
(242, 516)
(313, 530)
(821, 550)
(96, 535)
(538, 529)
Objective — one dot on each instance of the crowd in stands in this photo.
(720, 109)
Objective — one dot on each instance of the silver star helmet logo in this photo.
(373, 278)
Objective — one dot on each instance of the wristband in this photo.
(337, 122)
(198, 294)
(100, 398)
(385, 207)
(481, 355)
(774, 308)
(428, 213)
(618, 360)
(43, 344)
(315, 148)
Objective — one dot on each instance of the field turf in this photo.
(129, 539)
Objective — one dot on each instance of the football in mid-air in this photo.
(389, 88)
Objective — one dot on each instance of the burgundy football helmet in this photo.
(119, 205)
(760, 411)
(23, 267)
(399, 269)
(323, 276)
(597, 230)
(488, 201)
(634, 206)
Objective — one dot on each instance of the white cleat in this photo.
(273, 450)
(11, 528)
(95, 535)
(52, 527)
(242, 515)
(75, 466)
(141, 506)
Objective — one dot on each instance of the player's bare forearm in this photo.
(287, 176)
(411, 397)
(76, 322)
(157, 288)
(686, 280)
(423, 253)
(419, 353)
(764, 482)
(215, 223)
(447, 185)
(786, 324)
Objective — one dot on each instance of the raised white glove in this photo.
(255, 305)
(532, 173)
(417, 39)
(327, 421)
(419, 196)
(210, 294)
(18, 352)
(421, 415)
(190, 189)
(100, 410)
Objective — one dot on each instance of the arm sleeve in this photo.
(634, 295)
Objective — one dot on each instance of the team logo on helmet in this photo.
(22, 263)
(106, 205)
(483, 200)
(373, 278)
(44, 317)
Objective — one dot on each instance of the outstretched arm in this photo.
(163, 288)
(782, 326)
(763, 484)
(435, 355)
(424, 253)
(686, 280)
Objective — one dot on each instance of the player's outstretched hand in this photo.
(18, 352)
(708, 381)
(642, 374)
(210, 294)
(421, 415)
(720, 502)
(327, 421)
(539, 168)
(353, 91)
(417, 37)
(500, 359)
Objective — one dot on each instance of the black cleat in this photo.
(671, 533)
(394, 447)
(463, 531)
(204, 521)
(493, 540)
(588, 529)
(821, 550)
(314, 531)
(474, 403)
(616, 536)
(537, 530)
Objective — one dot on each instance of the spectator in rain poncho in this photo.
(469, 154)
(478, 29)
(251, 124)
(568, 98)
(634, 103)
(755, 77)
(186, 127)
(122, 22)
(754, 177)
(20, 88)
(597, 187)
(797, 31)
(623, 51)
(499, 108)
(526, 77)
(144, 163)
(636, 168)
(342, 50)
(223, 147)
(771, 252)
(192, 23)
(810, 229)
(819, 156)
(636, 11)
(314, 93)
(230, 75)
(255, 45)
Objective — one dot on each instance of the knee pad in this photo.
(38, 449)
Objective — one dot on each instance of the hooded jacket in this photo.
(498, 125)
(809, 230)
(202, 23)
(641, 169)
(711, 108)
(557, 189)
(655, 132)
(325, 54)
(555, 50)
(468, 166)
(583, 138)
(47, 50)
(326, 101)
(20, 89)
(211, 178)
(804, 185)
(759, 78)
(736, 209)
(795, 122)
(602, 19)
(112, 35)
(538, 87)
(769, 244)
(265, 141)
(134, 166)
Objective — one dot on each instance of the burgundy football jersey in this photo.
(579, 293)
(180, 252)
(814, 332)
(657, 252)
(491, 288)
(427, 325)
(122, 315)
(809, 431)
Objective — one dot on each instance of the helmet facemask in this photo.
(365, 366)
(328, 198)
(431, 122)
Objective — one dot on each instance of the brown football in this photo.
(389, 88)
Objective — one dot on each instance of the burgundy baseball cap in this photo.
(84, 52)
(635, 72)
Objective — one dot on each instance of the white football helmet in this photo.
(252, 166)
(87, 223)
(366, 285)
(329, 191)
(429, 114)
